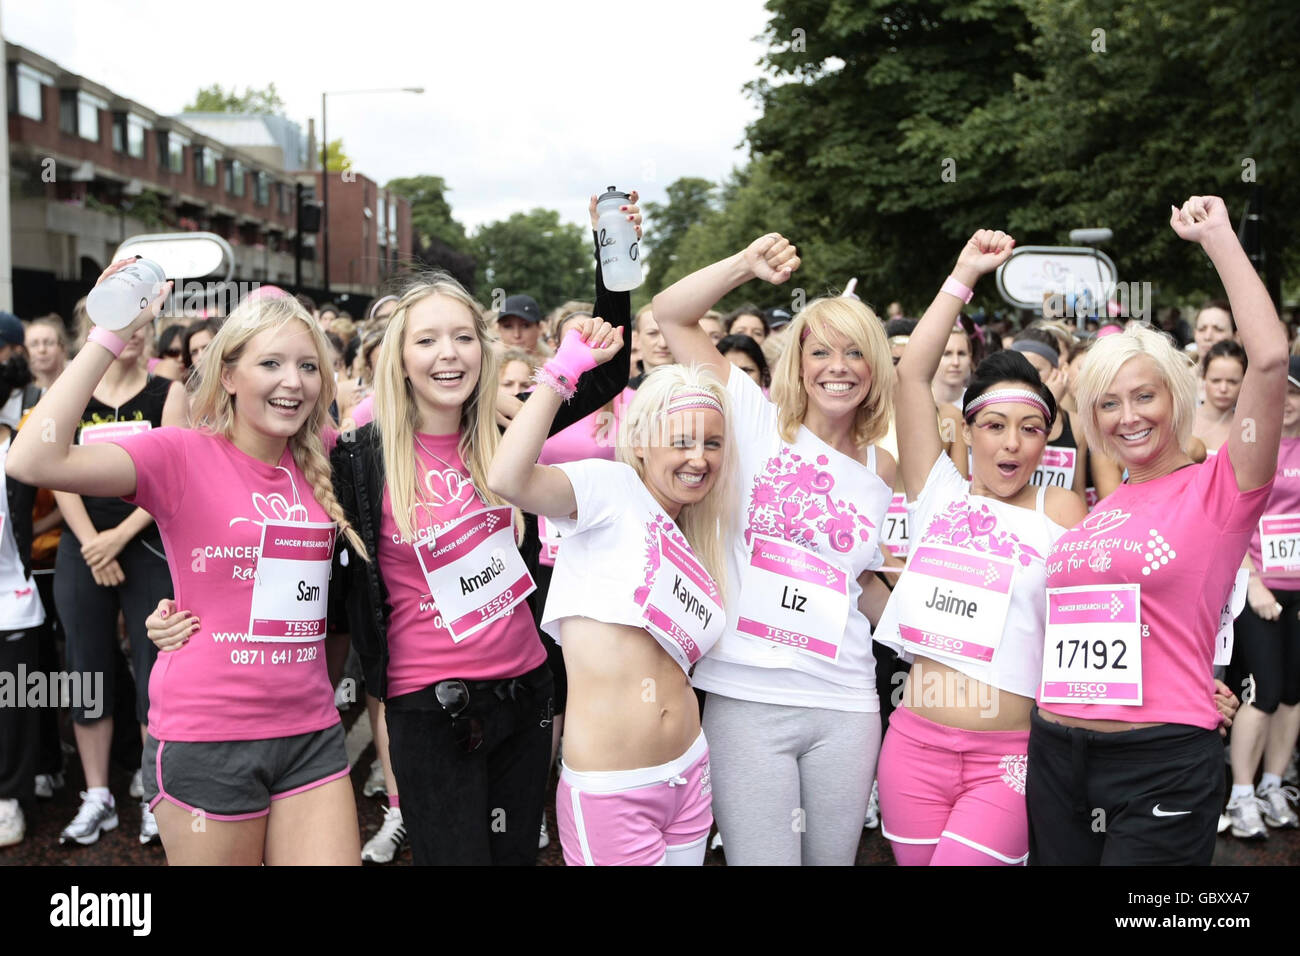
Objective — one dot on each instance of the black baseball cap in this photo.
(11, 329)
(524, 306)
(778, 318)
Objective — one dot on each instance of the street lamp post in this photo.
(325, 173)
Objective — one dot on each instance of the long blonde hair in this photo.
(857, 323)
(707, 525)
(397, 416)
(213, 409)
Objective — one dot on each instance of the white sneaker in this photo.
(92, 819)
(374, 785)
(1246, 821)
(716, 842)
(1276, 802)
(388, 842)
(148, 826)
(12, 825)
(873, 808)
(544, 839)
(47, 783)
(137, 785)
(1225, 821)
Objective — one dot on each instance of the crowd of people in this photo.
(969, 580)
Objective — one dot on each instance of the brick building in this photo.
(90, 169)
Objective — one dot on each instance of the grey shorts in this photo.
(237, 779)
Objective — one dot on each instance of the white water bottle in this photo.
(620, 263)
(115, 302)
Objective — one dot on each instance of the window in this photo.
(79, 114)
(285, 201)
(25, 93)
(171, 151)
(261, 188)
(235, 178)
(205, 165)
(128, 134)
(379, 220)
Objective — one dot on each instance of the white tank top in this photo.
(973, 594)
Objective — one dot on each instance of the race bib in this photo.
(291, 582)
(793, 597)
(1236, 603)
(683, 609)
(1092, 646)
(474, 571)
(550, 536)
(1279, 544)
(112, 431)
(894, 532)
(953, 603)
(1056, 470)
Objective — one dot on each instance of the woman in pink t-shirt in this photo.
(1125, 765)
(243, 733)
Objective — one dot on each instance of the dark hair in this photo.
(329, 307)
(1007, 366)
(743, 343)
(336, 343)
(307, 302)
(974, 342)
(168, 336)
(1219, 304)
(899, 327)
(211, 326)
(1224, 349)
(350, 350)
(747, 309)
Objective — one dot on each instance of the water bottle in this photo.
(115, 302)
(620, 263)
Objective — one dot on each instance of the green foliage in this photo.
(335, 159)
(536, 254)
(1045, 116)
(690, 200)
(430, 211)
(215, 99)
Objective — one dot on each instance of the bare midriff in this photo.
(946, 696)
(630, 705)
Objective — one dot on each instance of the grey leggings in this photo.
(790, 784)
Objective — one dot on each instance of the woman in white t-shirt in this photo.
(635, 601)
(792, 714)
(969, 609)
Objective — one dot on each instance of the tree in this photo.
(430, 211)
(534, 253)
(215, 99)
(335, 159)
(690, 200)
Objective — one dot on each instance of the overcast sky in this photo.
(526, 104)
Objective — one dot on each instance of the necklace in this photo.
(433, 454)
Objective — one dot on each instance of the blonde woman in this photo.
(635, 601)
(792, 714)
(451, 650)
(248, 692)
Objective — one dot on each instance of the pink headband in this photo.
(693, 398)
(1016, 395)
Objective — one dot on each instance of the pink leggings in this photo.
(953, 797)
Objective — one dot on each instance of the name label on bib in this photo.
(291, 582)
(474, 571)
(793, 597)
(683, 609)
(953, 602)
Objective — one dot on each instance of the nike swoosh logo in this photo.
(1156, 811)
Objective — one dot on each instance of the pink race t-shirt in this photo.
(1284, 500)
(1180, 538)
(364, 413)
(592, 437)
(420, 648)
(210, 501)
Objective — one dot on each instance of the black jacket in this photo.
(21, 498)
(357, 590)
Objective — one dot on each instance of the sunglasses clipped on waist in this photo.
(455, 695)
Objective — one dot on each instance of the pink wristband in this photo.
(953, 287)
(100, 336)
(572, 359)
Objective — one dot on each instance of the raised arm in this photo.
(678, 308)
(1257, 424)
(43, 454)
(514, 473)
(916, 424)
